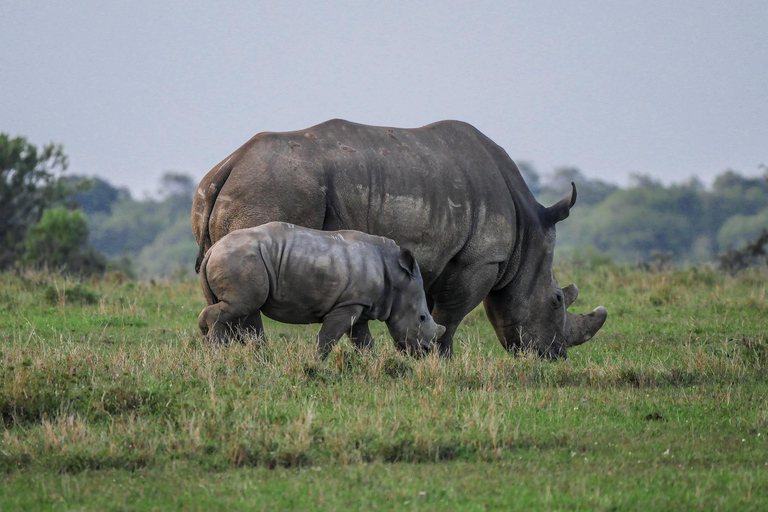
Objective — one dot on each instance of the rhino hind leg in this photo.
(250, 326)
(220, 323)
(335, 324)
(361, 337)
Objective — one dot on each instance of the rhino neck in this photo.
(381, 309)
(531, 250)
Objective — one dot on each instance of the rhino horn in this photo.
(570, 294)
(581, 328)
(561, 209)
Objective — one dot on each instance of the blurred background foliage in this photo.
(689, 221)
(153, 234)
(87, 225)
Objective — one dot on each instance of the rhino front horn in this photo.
(581, 328)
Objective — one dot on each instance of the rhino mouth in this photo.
(417, 345)
(417, 351)
(524, 342)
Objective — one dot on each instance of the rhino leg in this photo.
(335, 324)
(251, 325)
(461, 293)
(218, 322)
(445, 343)
(361, 336)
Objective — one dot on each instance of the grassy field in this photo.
(108, 400)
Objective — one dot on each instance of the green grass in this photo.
(451, 486)
(108, 400)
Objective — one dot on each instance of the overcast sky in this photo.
(132, 89)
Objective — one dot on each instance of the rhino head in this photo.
(547, 328)
(410, 324)
(531, 313)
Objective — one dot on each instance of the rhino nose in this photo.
(556, 353)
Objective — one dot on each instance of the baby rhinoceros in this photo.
(297, 275)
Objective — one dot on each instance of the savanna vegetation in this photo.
(108, 399)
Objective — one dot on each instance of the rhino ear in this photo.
(561, 209)
(570, 294)
(581, 328)
(408, 262)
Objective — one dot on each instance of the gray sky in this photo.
(132, 89)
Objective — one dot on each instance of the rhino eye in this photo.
(558, 301)
(422, 318)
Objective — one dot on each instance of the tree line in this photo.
(87, 225)
(688, 222)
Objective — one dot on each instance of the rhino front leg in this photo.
(361, 337)
(445, 343)
(335, 324)
(460, 294)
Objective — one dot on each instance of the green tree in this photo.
(29, 183)
(172, 253)
(590, 192)
(732, 195)
(154, 233)
(130, 226)
(634, 223)
(530, 176)
(174, 183)
(57, 238)
(60, 241)
(94, 194)
(741, 229)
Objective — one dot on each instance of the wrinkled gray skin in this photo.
(445, 191)
(296, 275)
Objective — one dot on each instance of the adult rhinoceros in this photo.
(445, 191)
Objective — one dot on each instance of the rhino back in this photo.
(311, 272)
(444, 190)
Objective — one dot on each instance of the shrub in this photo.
(60, 240)
(754, 253)
(78, 294)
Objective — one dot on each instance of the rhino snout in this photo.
(555, 353)
(431, 329)
(428, 342)
(416, 331)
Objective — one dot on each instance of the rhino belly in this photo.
(290, 313)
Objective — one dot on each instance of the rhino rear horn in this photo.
(570, 294)
(581, 328)
(561, 209)
(407, 262)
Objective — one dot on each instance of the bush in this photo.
(76, 294)
(753, 254)
(29, 184)
(60, 240)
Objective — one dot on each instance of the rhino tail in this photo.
(211, 193)
(210, 297)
